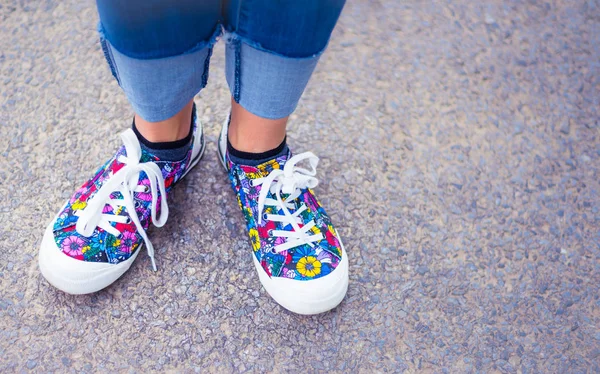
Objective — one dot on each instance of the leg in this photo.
(169, 130)
(273, 48)
(272, 52)
(251, 133)
(159, 50)
(159, 54)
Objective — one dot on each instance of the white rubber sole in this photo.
(310, 296)
(74, 276)
(303, 297)
(82, 277)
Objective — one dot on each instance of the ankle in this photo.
(169, 130)
(253, 134)
(249, 144)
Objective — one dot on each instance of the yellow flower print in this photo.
(78, 205)
(252, 175)
(255, 239)
(247, 213)
(315, 230)
(116, 243)
(85, 249)
(264, 168)
(309, 266)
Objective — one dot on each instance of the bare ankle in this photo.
(254, 134)
(169, 130)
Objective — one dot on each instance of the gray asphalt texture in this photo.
(460, 154)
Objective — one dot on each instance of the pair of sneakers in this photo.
(99, 232)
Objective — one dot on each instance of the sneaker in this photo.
(99, 232)
(298, 254)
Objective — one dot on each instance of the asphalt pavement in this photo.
(460, 157)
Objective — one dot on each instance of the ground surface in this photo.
(460, 159)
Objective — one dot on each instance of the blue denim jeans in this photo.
(159, 50)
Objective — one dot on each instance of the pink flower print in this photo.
(115, 167)
(310, 202)
(128, 240)
(78, 193)
(72, 246)
(248, 169)
(279, 240)
(147, 194)
(331, 239)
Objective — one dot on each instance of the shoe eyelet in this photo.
(264, 216)
(273, 251)
(146, 189)
(270, 232)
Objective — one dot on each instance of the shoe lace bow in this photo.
(290, 181)
(126, 181)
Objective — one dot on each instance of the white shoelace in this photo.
(290, 181)
(126, 182)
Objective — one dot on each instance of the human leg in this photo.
(160, 59)
(272, 50)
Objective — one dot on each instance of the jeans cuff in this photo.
(265, 83)
(159, 88)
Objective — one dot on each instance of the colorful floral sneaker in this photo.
(99, 232)
(298, 254)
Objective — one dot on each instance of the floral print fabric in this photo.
(301, 263)
(103, 246)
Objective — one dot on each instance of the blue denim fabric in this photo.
(159, 88)
(147, 29)
(159, 50)
(292, 28)
(266, 84)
